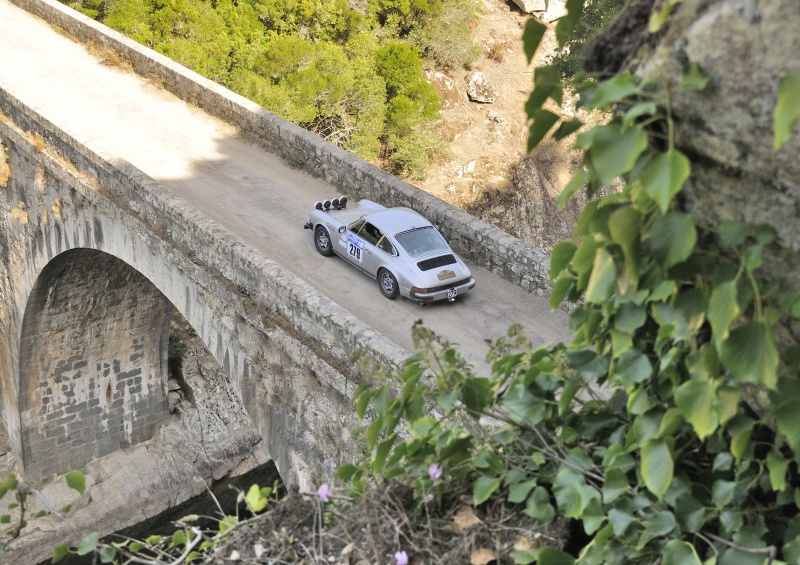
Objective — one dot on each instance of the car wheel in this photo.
(322, 241)
(388, 284)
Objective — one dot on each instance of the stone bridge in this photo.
(96, 252)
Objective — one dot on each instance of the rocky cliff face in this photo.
(744, 47)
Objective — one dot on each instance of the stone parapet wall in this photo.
(478, 241)
(235, 297)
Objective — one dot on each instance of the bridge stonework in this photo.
(93, 354)
(76, 225)
(94, 254)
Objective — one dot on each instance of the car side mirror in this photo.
(342, 229)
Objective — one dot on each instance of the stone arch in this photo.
(98, 382)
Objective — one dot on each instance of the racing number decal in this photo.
(355, 248)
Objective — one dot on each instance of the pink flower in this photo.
(401, 557)
(434, 471)
(324, 492)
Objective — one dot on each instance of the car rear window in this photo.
(422, 241)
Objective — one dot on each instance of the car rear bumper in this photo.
(444, 294)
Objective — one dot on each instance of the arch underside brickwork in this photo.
(92, 363)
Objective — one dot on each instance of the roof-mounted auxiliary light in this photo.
(318, 206)
(327, 205)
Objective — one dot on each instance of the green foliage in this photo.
(346, 75)
(578, 28)
(326, 21)
(669, 428)
(18, 511)
(413, 105)
(445, 36)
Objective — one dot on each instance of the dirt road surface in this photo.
(252, 193)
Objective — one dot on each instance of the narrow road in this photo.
(254, 194)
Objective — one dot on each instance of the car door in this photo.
(355, 244)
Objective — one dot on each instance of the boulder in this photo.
(543, 8)
(479, 90)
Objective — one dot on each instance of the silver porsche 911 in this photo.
(399, 248)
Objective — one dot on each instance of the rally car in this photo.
(399, 248)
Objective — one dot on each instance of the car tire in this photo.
(388, 284)
(323, 242)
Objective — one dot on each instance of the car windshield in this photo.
(422, 241)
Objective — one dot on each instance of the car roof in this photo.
(396, 220)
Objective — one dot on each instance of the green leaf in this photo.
(543, 122)
(519, 492)
(532, 36)
(76, 481)
(538, 506)
(224, 525)
(787, 416)
(732, 233)
(693, 78)
(615, 485)
(658, 18)
(603, 277)
(179, 536)
(569, 392)
(695, 399)
(723, 308)
(550, 556)
(136, 546)
(483, 489)
(663, 177)
(777, 466)
(255, 501)
(362, 403)
(88, 544)
(575, 183)
(623, 226)
(633, 367)
(560, 290)
(630, 317)
(657, 466)
(380, 401)
(60, 552)
(489, 461)
(107, 554)
(619, 520)
(661, 523)
(722, 493)
(672, 238)
(677, 552)
(750, 354)
(523, 407)
(611, 91)
(546, 84)
(614, 152)
(637, 111)
(346, 472)
(787, 112)
(741, 427)
(567, 128)
(476, 393)
(560, 257)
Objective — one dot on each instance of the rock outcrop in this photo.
(744, 47)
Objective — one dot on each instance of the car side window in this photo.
(370, 233)
(386, 246)
(357, 225)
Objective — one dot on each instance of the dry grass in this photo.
(383, 522)
(108, 56)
